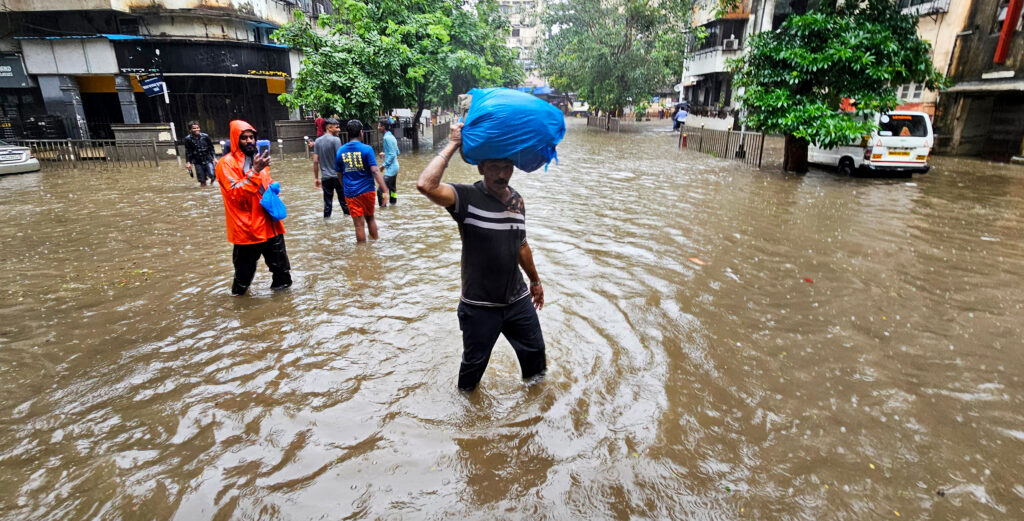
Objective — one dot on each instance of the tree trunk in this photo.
(795, 159)
(420, 105)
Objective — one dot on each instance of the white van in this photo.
(901, 146)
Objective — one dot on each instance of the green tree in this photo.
(613, 52)
(374, 55)
(334, 77)
(796, 78)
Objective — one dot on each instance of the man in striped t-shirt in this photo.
(495, 298)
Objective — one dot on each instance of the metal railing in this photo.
(746, 147)
(440, 132)
(610, 123)
(75, 153)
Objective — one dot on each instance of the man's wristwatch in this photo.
(537, 283)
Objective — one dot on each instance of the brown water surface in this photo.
(843, 349)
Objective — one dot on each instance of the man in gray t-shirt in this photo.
(325, 149)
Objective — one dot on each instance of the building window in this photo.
(911, 92)
(515, 32)
(1004, 6)
(128, 25)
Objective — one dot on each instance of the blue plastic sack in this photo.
(503, 123)
(273, 204)
(262, 145)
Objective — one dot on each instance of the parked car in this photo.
(17, 160)
(901, 146)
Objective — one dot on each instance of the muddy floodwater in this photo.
(723, 343)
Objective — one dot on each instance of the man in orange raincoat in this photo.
(244, 175)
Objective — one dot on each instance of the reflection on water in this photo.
(848, 349)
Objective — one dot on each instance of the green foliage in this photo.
(374, 55)
(611, 52)
(796, 78)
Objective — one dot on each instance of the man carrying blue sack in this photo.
(495, 299)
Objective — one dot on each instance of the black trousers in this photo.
(480, 327)
(274, 254)
(330, 186)
(392, 184)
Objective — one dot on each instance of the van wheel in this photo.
(846, 166)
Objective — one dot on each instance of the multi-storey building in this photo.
(524, 16)
(983, 112)
(706, 79)
(86, 61)
(939, 21)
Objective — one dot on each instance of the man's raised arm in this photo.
(429, 183)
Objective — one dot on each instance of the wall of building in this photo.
(527, 31)
(271, 11)
(983, 112)
(940, 30)
(979, 47)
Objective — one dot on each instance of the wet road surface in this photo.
(723, 343)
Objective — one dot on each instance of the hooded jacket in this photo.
(247, 221)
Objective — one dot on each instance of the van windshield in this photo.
(904, 125)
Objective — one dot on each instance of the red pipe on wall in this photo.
(1009, 26)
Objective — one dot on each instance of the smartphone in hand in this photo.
(262, 145)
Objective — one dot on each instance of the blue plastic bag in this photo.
(503, 123)
(273, 204)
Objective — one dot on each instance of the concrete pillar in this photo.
(293, 114)
(125, 94)
(61, 97)
(766, 15)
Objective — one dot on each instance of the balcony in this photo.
(724, 40)
(924, 7)
(710, 61)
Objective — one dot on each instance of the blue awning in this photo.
(543, 89)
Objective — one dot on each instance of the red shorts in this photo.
(362, 204)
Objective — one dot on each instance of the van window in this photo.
(904, 125)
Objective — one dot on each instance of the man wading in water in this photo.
(199, 153)
(357, 165)
(492, 224)
(243, 176)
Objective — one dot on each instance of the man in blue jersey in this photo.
(357, 165)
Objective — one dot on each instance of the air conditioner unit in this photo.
(731, 44)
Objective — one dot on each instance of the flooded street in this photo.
(723, 343)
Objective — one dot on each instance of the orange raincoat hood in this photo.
(237, 127)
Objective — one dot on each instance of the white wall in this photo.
(268, 10)
(73, 57)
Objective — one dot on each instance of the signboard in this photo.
(153, 85)
(220, 58)
(12, 72)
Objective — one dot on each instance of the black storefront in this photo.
(19, 99)
(212, 82)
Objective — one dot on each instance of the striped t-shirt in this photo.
(492, 233)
